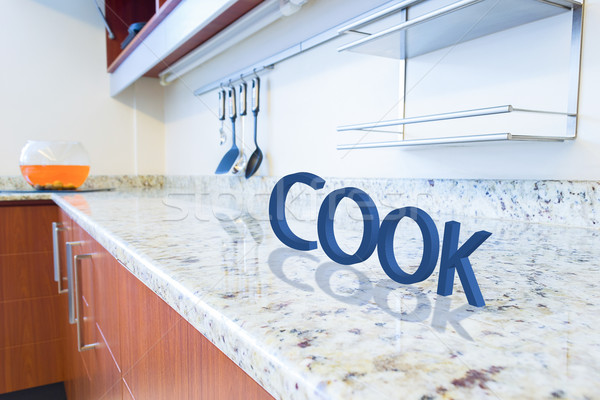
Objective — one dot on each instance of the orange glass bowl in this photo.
(54, 165)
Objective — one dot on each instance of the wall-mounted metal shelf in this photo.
(491, 137)
(429, 25)
(452, 24)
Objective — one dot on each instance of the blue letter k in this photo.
(459, 259)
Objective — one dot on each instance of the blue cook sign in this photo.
(381, 237)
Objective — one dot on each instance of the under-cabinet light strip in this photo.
(292, 51)
(270, 62)
(253, 21)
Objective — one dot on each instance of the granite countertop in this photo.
(307, 328)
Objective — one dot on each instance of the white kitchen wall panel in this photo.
(55, 87)
(308, 96)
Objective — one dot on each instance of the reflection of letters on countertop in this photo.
(307, 328)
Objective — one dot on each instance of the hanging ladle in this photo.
(256, 158)
(232, 155)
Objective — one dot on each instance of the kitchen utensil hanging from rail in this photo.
(256, 157)
(241, 161)
(234, 160)
(222, 97)
(232, 154)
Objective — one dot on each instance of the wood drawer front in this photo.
(30, 321)
(213, 376)
(153, 343)
(26, 276)
(26, 229)
(161, 373)
(36, 364)
(144, 319)
(107, 301)
(98, 295)
(115, 392)
(77, 377)
(106, 375)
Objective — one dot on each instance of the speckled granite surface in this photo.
(11, 183)
(93, 182)
(569, 203)
(306, 328)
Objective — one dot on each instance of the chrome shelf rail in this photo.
(491, 137)
(370, 126)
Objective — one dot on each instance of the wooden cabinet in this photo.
(138, 347)
(107, 324)
(164, 357)
(93, 370)
(170, 35)
(26, 276)
(119, 16)
(26, 228)
(30, 308)
(153, 343)
(213, 375)
(147, 350)
(77, 376)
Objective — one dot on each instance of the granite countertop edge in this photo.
(281, 376)
(223, 332)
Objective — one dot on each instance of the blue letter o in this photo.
(431, 245)
(370, 223)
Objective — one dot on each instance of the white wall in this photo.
(55, 86)
(306, 97)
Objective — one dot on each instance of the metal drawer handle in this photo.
(70, 290)
(80, 345)
(57, 227)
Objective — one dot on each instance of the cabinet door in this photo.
(30, 335)
(26, 229)
(26, 276)
(107, 354)
(74, 369)
(153, 344)
(96, 340)
(213, 376)
(63, 234)
(78, 381)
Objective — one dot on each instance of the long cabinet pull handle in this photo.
(57, 227)
(80, 345)
(70, 290)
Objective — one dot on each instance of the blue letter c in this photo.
(277, 208)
